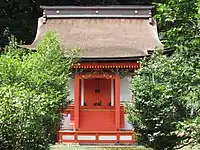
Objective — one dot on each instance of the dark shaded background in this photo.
(19, 17)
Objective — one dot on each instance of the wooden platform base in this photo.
(96, 137)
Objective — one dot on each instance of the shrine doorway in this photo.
(97, 92)
(98, 112)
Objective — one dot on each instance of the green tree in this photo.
(165, 112)
(33, 90)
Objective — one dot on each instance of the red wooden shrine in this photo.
(112, 39)
(97, 116)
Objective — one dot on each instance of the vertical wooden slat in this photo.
(76, 100)
(117, 102)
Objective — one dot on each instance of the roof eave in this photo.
(97, 16)
(134, 11)
(113, 7)
(111, 59)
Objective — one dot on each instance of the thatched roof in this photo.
(106, 36)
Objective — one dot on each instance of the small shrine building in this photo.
(113, 40)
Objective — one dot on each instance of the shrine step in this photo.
(96, 137)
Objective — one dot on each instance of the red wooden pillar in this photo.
(117, 102)
(76, 100)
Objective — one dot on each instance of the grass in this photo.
(110, 147)
(65, 147)
(72, 147)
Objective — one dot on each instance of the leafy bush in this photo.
(33, 88)
(157, 107)
(166, 109)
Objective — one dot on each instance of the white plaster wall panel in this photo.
(82, 92)
(65, 123)
(68, 137)
(127, 125)
(86, 137)
(107, 138)
(125, 85)
(125, 92)
(71, 87)
(125, 138)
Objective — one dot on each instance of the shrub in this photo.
(166, 109)
(33, 87)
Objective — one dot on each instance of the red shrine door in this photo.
(97, 114)
(97, 92)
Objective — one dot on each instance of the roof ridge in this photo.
(117, 11)
(98, 7)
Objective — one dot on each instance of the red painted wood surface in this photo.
(76, 100)
(87, 65)
(97, 90)
(90, 97)
(97, 117)
(97, 120)
(117, 102)
(97, 134)
(105, 91)
(70, 110)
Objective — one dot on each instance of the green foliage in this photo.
(165, 112)
(33, 88)
(157, 107)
